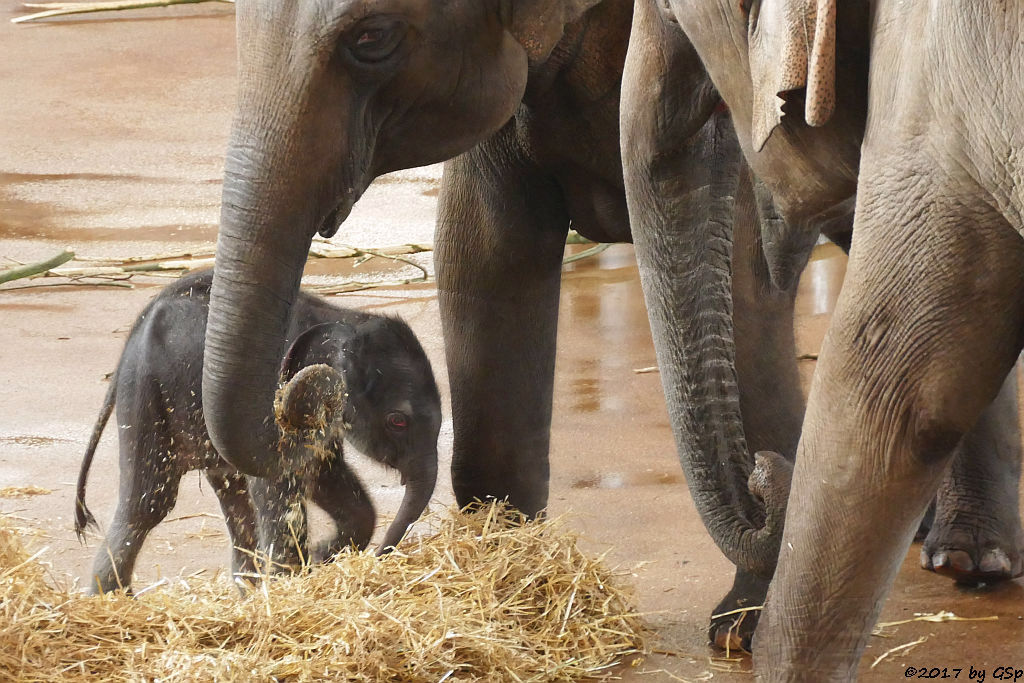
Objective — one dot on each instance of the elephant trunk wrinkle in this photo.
(690, 301)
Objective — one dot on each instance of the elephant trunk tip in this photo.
(418, 491)
(313, 399)
(770, 481)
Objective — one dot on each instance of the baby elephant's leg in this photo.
(239, 516)
(148, 490)
(337, 490)
(282, 535)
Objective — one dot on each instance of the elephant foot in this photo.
(975, 551)
(927, 522)
(733, 621)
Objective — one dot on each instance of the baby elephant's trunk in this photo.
(420, 477)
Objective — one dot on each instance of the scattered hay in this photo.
(488, 597)
(903, 649)
(886, 629)
(23, 491)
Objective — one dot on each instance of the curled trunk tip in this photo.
(770, 481)
(313, 399)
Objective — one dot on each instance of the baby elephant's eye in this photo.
(397, 421)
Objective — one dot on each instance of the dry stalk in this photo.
(485, 598)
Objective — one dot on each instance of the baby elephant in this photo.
(392, 413)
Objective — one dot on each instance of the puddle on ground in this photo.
(621, 480)
(145, 233)
(821, 281)
(37, 307)
(586, 394)
(32, 441)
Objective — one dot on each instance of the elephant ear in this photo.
(538, 25)
(323, 343)
(792, 45)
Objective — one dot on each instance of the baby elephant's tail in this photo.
(84, 518)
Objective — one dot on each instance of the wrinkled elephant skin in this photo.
(332, 95)
(929, 321)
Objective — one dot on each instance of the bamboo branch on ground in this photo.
(575, 238)
(33, 269)
(359, 286)
(176, 264)
(60, 9)
(593, 251)
(207, 252)
(97, 271)
(328, 250)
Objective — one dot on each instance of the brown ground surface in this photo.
(112, 130)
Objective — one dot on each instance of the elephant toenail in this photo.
(961, 561)
(940, 561)
(926, 560)
(727, 639)
(996, 562)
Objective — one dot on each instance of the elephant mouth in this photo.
(334, 218)
(331, 223)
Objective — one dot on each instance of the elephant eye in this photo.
(397, 421)
(374, 35)
(375, 39)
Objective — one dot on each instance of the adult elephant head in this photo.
(333, 93)
(777, 65)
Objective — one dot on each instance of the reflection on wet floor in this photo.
(619, 480)
(602, 295)
(821, 281)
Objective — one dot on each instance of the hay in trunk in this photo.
(488, 597)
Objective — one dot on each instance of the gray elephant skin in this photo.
(332, 95)
(319, 118)
(829, 99)
(391, 411)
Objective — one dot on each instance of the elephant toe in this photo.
(997, 562)
(732, 633)
(970, 557)
(735, 618)
(953, 563)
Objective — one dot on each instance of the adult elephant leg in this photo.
(976, 536)
(500, 237)
(927, 326)
(682, 165)
(771, 400)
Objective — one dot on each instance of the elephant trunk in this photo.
(282, 184)
(684, 249)
(257, 271)
(420, 478)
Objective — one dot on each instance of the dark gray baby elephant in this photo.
(392, 413)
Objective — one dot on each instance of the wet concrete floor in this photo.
(112, 131)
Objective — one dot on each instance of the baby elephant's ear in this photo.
(538, 25)
(792, 45)
(323, 343)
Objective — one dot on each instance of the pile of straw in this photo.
(486, 598)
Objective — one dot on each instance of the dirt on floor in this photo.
(112, 133)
